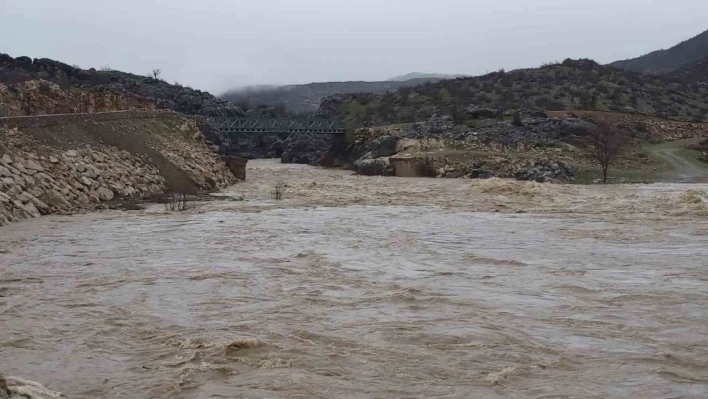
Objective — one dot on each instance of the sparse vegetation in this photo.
(156, 73)
(516, 119)
(278, 191)
(177, 202)
(571, 85)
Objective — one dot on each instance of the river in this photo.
(367, 287)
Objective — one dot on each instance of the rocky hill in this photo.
(164, 95)
(665, 61)
(571, 85)
(306, 99)
(696, 72)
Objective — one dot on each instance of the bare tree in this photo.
(156, 73)
(606, 143)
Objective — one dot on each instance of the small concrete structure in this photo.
(237, 166)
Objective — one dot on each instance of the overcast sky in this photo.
(217, 44)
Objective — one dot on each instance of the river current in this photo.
(367, 287)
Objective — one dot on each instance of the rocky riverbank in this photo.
(62, 165)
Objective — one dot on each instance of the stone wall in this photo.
(61, 163)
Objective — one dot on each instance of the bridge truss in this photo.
(278, 126)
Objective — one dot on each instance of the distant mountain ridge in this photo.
(667, 61)
(421, 75)
(306, 98)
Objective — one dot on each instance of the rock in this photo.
(86, 181)
(544, 170)
(5, 159)
(39, 204)
(4, 390)
(19, 166)
(24, 197)
(384, 146)
(105, 194)
(32, 165)
(5, 172)
(4, 198)
(373, 167)
(481, 112)
(17, 388)
(29, 179)
(31, 209)
(90, 172)
(94, 198)
(97, 156)
(71, 153)
(53, 159)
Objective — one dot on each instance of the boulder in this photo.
(104, 194)
(384, 146)
(32, 165)
(373, 167)
(481, 112)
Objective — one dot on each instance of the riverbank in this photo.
(60, 163)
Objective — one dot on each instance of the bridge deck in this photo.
(274, 126)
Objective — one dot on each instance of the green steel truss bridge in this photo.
(277, 126)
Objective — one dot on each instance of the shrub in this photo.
(516, 119)
(177, 202)
(278, 191)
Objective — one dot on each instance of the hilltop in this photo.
(666, 61)
(571, 85)
(164, 95)
(306, 98)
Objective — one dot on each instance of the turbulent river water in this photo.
(365, 287)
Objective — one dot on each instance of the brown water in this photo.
(359, 287)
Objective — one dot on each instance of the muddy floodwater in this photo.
(367, 287)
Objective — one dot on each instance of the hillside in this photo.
(166, 96)
(665, 61)
(696, 72)
(572, 85)
(306, 98)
